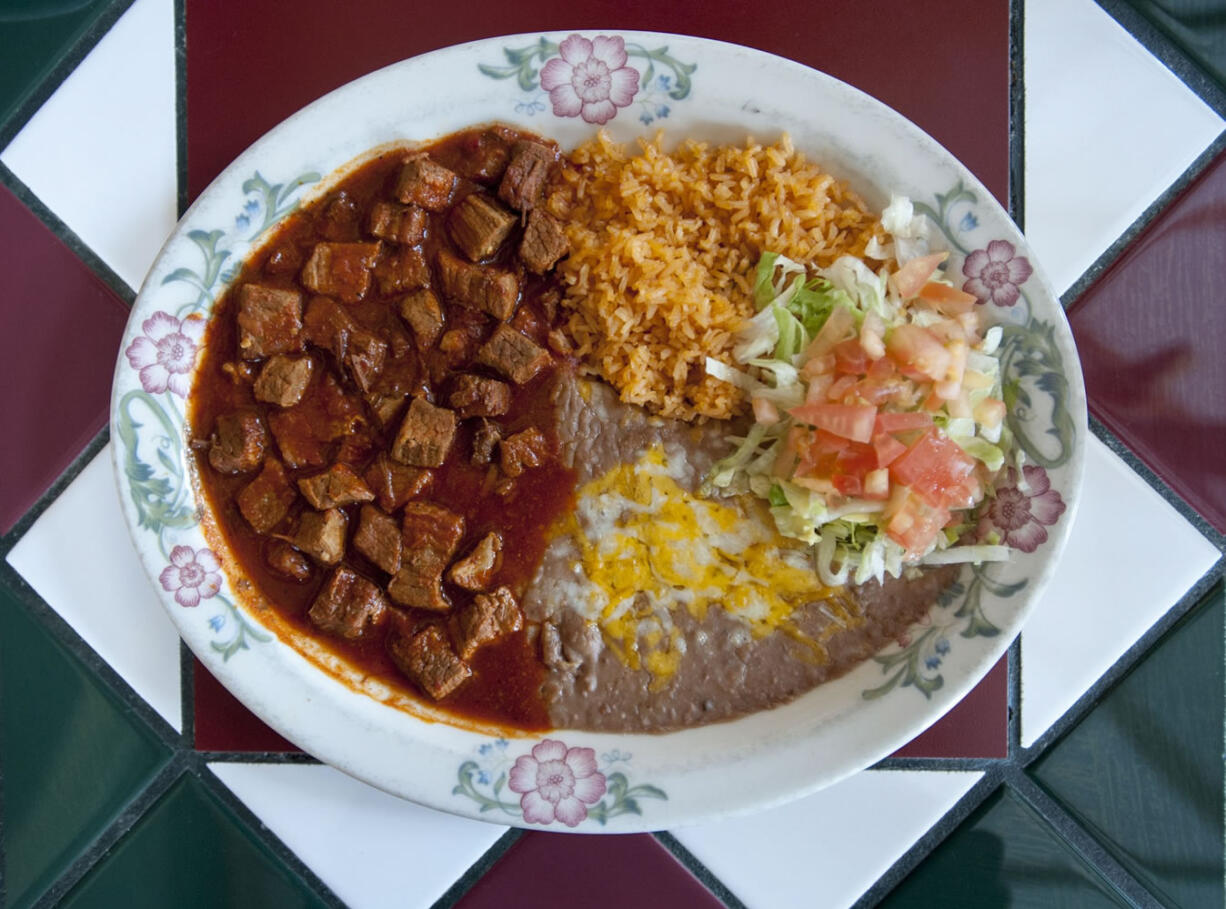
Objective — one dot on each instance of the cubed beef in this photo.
(403, 224)
(378, 538)
(477, 569)
(386, 408)
(328, 325)
(394, 483)
(523, 450)
(526, 174)
(358, 447)
(484, 287)
(287, 561)
(427, 658)
(406, 269)
(485, 155)
(348, 605)
(425, 183)
(284, 260)
(477, 396)
(479, 225)
(239, 442)
(419, 582)
(425, 436)
(336, 486)
(339, 220)
(485, 440)
(559, 343)
(283, 380)
(488, 618)
(422, 310)
(306, 431)
(269, 321)
(265, 501)
(544, 242)
(432, 528)
(340, 270)
(364, 357)
(321, 535)
(513, 354)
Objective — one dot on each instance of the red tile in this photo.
(1150, 333)
(59, 335)
(224, 724)
(977, 727)
(546, 870)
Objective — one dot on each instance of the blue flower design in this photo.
(932, 662)
(662, 111)
(646, 117)
(485, 749)
(501, 744)
(483, 778)
(242, 222)
(664, 82)
(941, 646)
(531, 108)
(216, 622)
(968, 222)
(252, 206)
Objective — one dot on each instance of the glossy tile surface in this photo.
(191, 851)
(223, 724)
(1197, 26)
(1143, 769)
(73, 756)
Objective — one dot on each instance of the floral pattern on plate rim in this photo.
(591, 78)
(555, 783)
(149, 419)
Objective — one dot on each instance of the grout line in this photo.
(63, 68)
(258, 757)
(705, 877)
(67, 236)
(1014, 699)
(1144, 221)
(478, 869)
(1168, 52)
(1076, 837)
(247, 819)
(1017, 114)
(926, 844)
(131, 814)
(4, 864)
(938, 764)
(181, 106)
(187, 695)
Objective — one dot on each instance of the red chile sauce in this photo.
(507, 674)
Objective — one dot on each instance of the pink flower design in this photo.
(556, 782)
(166, 353)
(1021, 517)
(996, 273)
(192, 575)
(590, 78)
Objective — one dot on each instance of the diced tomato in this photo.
(989, 412)
(901, 422)
(849, 421)
(912, 522)
(872, 335)
(817, 484)
(909, 279)
(934, 467)
(887, 448)
(818, 386)
(839, 326)
(847, 485)
(840, 387)
(918, 352)
(818, 366)
(765, 412)
(856, 459)
(877, 484)
(947, 300)
(850, 358)
(825, 442)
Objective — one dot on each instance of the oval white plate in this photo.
(603, 783)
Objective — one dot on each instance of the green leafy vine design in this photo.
(1029, 352)
(243, 630)
(162, 502)
(522, 65)
(941, 215)
(276, 196)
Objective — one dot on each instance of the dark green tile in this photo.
(1004, 855)
(190, 850)
(35, 34)
(1197, 26)
(1143, 771)
(72, 755)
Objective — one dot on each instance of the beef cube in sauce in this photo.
(265, 501)
(426, 183)
(340, 270)
(239, 442)
(544, 242)
(364, 357)
(427, 658)
(404, 270)
(478, 396)
(513, 354)
(379, 538)
(336, 486)
(422, 310)
(432, 528)
(477, 569)
(522, 451)
(479, 225)
(269, 321)
(348, 605)
(393, 483)
(287, 561)
(484, 287)
(486, 155)
(403, 224)
(386, 408)
(425, 436)
(526, 174)
(283, 380)
(485, 440)
(488, 618)
(419, 583)
(321, 535)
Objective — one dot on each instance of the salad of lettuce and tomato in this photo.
(879, 418)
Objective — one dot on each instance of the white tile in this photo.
(827, 849)
(100, 153)
(1108, 129)
(79, 558)
(373, 849)
(1130, 557)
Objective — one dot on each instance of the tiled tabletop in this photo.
(1085, 770)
